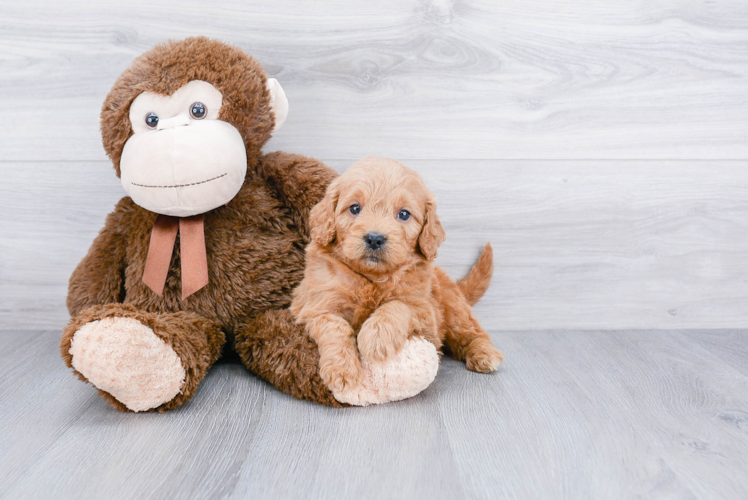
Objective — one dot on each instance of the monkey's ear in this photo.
(322, 217)
(432, 232)
(278, 101)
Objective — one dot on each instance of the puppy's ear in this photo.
(432, 233)
(322, 217)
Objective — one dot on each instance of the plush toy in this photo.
(207, 248)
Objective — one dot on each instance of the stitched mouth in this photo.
(181, 185)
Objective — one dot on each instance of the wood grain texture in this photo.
(474, 94)
(571, 414)
(730, 346)
(460, 90)
(473, 79)
(612, 244)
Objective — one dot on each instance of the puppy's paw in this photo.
(483, 357)
(340, 374)
(379, 340)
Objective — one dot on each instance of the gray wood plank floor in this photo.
(600, 146)
(571, 414)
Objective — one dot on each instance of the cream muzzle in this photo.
(186, 166)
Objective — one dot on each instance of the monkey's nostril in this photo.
(375, 241)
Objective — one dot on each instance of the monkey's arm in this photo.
(300, 183)
(99, 278)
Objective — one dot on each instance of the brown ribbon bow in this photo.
(193, 256)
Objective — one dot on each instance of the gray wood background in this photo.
(602, 147)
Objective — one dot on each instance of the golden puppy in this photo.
(370, 281)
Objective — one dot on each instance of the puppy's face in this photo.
(377, 217)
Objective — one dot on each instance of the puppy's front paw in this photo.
(483, 357)
(378, 340)
(339, 374)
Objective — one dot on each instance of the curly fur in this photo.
(358, 299)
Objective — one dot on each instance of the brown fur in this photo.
(353, 297)
(196, 340)
(167, 67)
(255, 244)
(475, 283)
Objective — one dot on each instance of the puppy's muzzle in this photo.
(375, 241)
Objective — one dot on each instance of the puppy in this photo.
(370, 282)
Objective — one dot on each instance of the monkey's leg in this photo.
(141, 361)
(276, 349)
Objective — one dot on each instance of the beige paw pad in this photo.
(400, 377)
(125, 358)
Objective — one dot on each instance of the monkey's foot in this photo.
(401, 376)
(126, 359)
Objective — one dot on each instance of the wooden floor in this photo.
(572, 414)
(602, 147)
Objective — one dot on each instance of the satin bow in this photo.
(192, 253)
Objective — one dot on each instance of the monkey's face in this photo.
(181, 159)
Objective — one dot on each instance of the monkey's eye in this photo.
(198, 110)
(403, 214)
(151, 120)
(355, 209)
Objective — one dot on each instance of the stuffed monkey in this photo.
(204, 253)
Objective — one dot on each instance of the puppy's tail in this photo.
(476, 282)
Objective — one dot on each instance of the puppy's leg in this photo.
(464, 336)
(384, 333)
(339, 364)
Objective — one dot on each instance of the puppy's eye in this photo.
(198, 110)
(355, 209)
(151, 120)
(403, 215)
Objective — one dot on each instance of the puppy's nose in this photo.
(375, 241)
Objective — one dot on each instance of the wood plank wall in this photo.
(602, 147)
